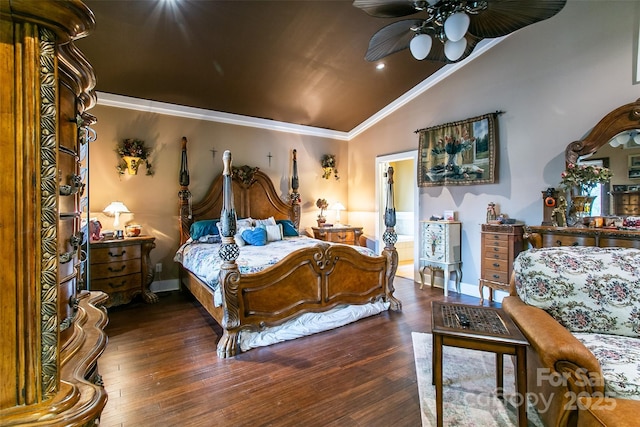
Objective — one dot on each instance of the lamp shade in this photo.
(455, 50)
(456, 26)
(420, 46)
(115, 209)
(337, 206)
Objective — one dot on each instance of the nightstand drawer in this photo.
(496, 238)
(115, 253)
(347, 237)
(117, 284)
(496, 251)
(113, 269)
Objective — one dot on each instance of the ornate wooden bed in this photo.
(314, 279)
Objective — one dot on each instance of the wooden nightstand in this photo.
(343, 234)
(122, 269)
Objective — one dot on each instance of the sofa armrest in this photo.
(557, 348)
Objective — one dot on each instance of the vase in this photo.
(581, 207)
(132, 164)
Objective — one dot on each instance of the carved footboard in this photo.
(310, 280)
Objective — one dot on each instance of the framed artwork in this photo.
(459, 153)
(634, 161)
(634, 174)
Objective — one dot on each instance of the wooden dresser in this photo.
(51, 327)
(122, 269)
(346, 234)
(501, 244)
(440, 251)
(547, 236)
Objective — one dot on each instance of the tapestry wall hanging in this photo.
(458, 153)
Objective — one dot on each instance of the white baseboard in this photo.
(165, 285)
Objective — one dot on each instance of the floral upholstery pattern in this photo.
(619, 359)
(586, 289)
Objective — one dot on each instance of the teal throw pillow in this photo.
(288, 229)
(256, 236)
(204, 228)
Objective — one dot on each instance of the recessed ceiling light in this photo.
(380, 66)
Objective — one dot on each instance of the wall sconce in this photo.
(115, 209)
(337, 206)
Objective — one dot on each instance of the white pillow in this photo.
(268, 221)
(274, 232)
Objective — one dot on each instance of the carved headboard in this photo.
(254, 195)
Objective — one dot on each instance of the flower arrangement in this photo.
(134, 148)
(322, 204)
(328, 163)
(584, 177)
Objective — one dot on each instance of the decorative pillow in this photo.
(274, 232)
(268, 221)
(255, 236)
(288, 229)
(203, 228)
(210, 238)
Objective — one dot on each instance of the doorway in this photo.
(407, 208)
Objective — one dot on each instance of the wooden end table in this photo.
(490, 329)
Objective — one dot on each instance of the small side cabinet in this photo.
(501, 244)
(440, 251)
(122, 269)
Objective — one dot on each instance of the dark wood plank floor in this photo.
(160, 369)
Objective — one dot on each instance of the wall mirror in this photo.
(614, 142)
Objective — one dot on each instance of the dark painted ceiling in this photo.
(299, 62)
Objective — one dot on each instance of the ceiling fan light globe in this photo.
(454, 50)
(456, 26)
(420, 46)
(432, 2)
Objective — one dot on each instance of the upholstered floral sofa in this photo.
(579, 307)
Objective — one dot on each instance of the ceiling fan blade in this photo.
(437, 50)
(503, 17)
(391, 39)
(386, 8)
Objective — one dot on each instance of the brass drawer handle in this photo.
(496, 276)
(496, 256)
(124, 282)
(117, 255)
(341, 237)
(495, 264)
(116, 270)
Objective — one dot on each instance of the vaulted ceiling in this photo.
(299, 62)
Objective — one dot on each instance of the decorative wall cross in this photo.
(269, 156)
(214, 151)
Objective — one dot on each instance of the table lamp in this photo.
(115, 209)
(337, 206)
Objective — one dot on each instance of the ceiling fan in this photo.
(457, 26)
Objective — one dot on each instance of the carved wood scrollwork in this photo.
(624, 118)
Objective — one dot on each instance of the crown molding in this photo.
(145, 105)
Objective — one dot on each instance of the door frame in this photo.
(381, 168)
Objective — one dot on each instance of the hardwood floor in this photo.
(160, 369)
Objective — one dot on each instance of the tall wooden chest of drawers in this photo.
(501, 244)
(122, 269)
(626, 202)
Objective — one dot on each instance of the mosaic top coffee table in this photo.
(488, 329)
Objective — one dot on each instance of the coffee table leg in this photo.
(437, 376)
(499, 375)
(521, 384)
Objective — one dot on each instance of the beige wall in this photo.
(154, 199)
(553, 80)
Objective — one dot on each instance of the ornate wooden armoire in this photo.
(51, 327)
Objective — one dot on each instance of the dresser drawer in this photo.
(496, 276)
(550, 240)
(113, 269)
(497, 252)
(117, 283)
(115, 253)
(497, 264)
